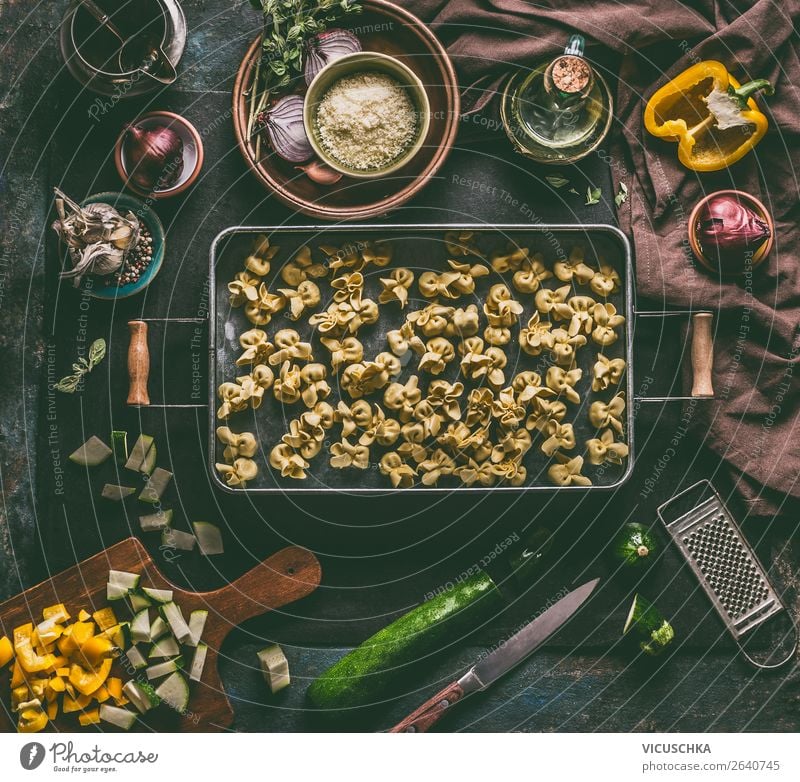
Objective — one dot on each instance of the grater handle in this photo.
(702, 355)
(138, 364)
(772, 666)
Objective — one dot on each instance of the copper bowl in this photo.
(193, 153)
(751, 201)
(383, 27)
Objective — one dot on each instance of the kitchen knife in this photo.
(504, 657)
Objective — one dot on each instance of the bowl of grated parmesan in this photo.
(366, 115)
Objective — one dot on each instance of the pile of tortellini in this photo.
(472, 429)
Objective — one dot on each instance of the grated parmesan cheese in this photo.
(366, 121)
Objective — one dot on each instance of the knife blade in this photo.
(499, 661)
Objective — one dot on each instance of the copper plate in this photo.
(387, 28)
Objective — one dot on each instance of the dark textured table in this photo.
(379, 556)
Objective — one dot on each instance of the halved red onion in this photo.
(286, 131)
(326, 47)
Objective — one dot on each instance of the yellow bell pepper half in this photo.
(714, 119)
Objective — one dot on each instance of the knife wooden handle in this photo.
(431, 711)
(702, 355)
(138, 364)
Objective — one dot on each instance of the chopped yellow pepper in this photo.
(712, 117)
(105, 618)
(114, 687)
(75, 704)
(30, 661)
(86, 682)
(95, 650)
(6, 651)
(57, 612)
(90, 717)
(32, 717)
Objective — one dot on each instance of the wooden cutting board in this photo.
(284, 577)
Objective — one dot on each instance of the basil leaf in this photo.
(593, 195)
(621, 197)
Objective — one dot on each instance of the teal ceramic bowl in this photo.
(350, 65)
(124, 203)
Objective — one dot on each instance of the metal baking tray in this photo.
(420, 248)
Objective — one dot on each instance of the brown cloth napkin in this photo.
(754, 425)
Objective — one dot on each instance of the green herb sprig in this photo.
(288, 24)
(70, 383)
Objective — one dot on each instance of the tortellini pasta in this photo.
(288, 462)
(259, 262)
(467, 422)
(439, 352)
(606, 449)
(563, 382)
(603, 414)
(461, 243)
(606, 321)
(305, 296)
(567, 472)
(239, 473)
(348, 350)
(395, 286)
(241, 444)
(400, 474)
(532, 272)
(301, 267)
(256, 346)
(288, 346)
(346, 454)
(573, 269)
(607, 372)
(605, 282)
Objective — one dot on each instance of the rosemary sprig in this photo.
(288, 24)
(70, 383)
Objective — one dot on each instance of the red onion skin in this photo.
(155, 156)
(728, 231)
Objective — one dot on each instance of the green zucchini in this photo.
(655, 632)
(119, 444)
(111, 491)
(91, 454)
(149, 462)
(635, 546)
(361, 676)
(155, 486)
(138, 452)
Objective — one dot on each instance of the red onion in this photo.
(286, 131)
(727, 230)
(154, 156)
(327, 47)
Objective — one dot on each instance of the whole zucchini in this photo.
(362, 675)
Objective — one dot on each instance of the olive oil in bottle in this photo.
(560, 111)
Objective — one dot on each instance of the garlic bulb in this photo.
(98, 236)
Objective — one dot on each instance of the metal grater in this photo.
(723, 561)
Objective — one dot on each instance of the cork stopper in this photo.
(570, 74)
